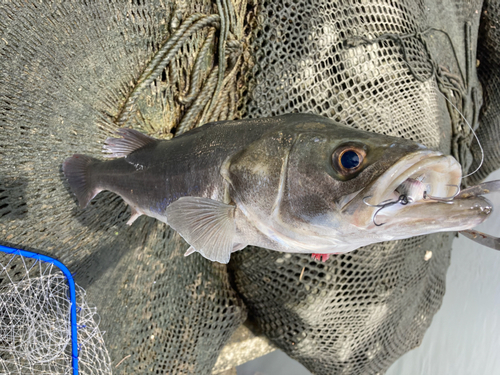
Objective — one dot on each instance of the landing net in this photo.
(46, 325)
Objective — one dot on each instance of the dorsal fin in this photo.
(131, 140)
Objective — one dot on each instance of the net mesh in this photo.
(345, 316)
(381, 66)
(488, 58)
(73, 72)
(68, 73)
(35, 333)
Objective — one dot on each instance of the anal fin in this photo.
(207, 225)
(133, 217)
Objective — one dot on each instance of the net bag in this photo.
(380, 66)
(71, 73)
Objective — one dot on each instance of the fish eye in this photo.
(348, 159)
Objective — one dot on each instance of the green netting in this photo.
(73, 72)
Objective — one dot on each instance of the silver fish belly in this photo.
(294, 183)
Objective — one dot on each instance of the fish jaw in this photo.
(418, 176)
(436, 173)
(421, 218)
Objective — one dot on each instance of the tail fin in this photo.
(77, 170)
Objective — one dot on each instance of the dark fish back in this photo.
(189, 165)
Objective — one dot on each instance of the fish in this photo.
(296, 183)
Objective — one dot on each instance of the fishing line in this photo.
(399, 39)
(473, 132)
(404, 200)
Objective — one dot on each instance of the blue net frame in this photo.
(72, 294)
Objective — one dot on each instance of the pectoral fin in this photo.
(207, 225)
(236, 247)
(190, 251)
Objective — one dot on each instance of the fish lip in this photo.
(434, 216)
(439, 173)
(383, 188)
(423, 214)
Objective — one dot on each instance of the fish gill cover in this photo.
(71, 73)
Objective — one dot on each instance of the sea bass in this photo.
(298, 183)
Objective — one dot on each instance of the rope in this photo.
(164, 57)
(203, 100)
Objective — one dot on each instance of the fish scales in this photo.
(294, 183)
(161, 172)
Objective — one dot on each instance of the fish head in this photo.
(319, 186)
(416, 196)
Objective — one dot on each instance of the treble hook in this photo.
(403, 200)
(447, 200)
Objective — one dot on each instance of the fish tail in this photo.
(78, 171)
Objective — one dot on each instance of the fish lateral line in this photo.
(236, 183)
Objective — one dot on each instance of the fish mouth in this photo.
(419, 175)
(418, 194)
